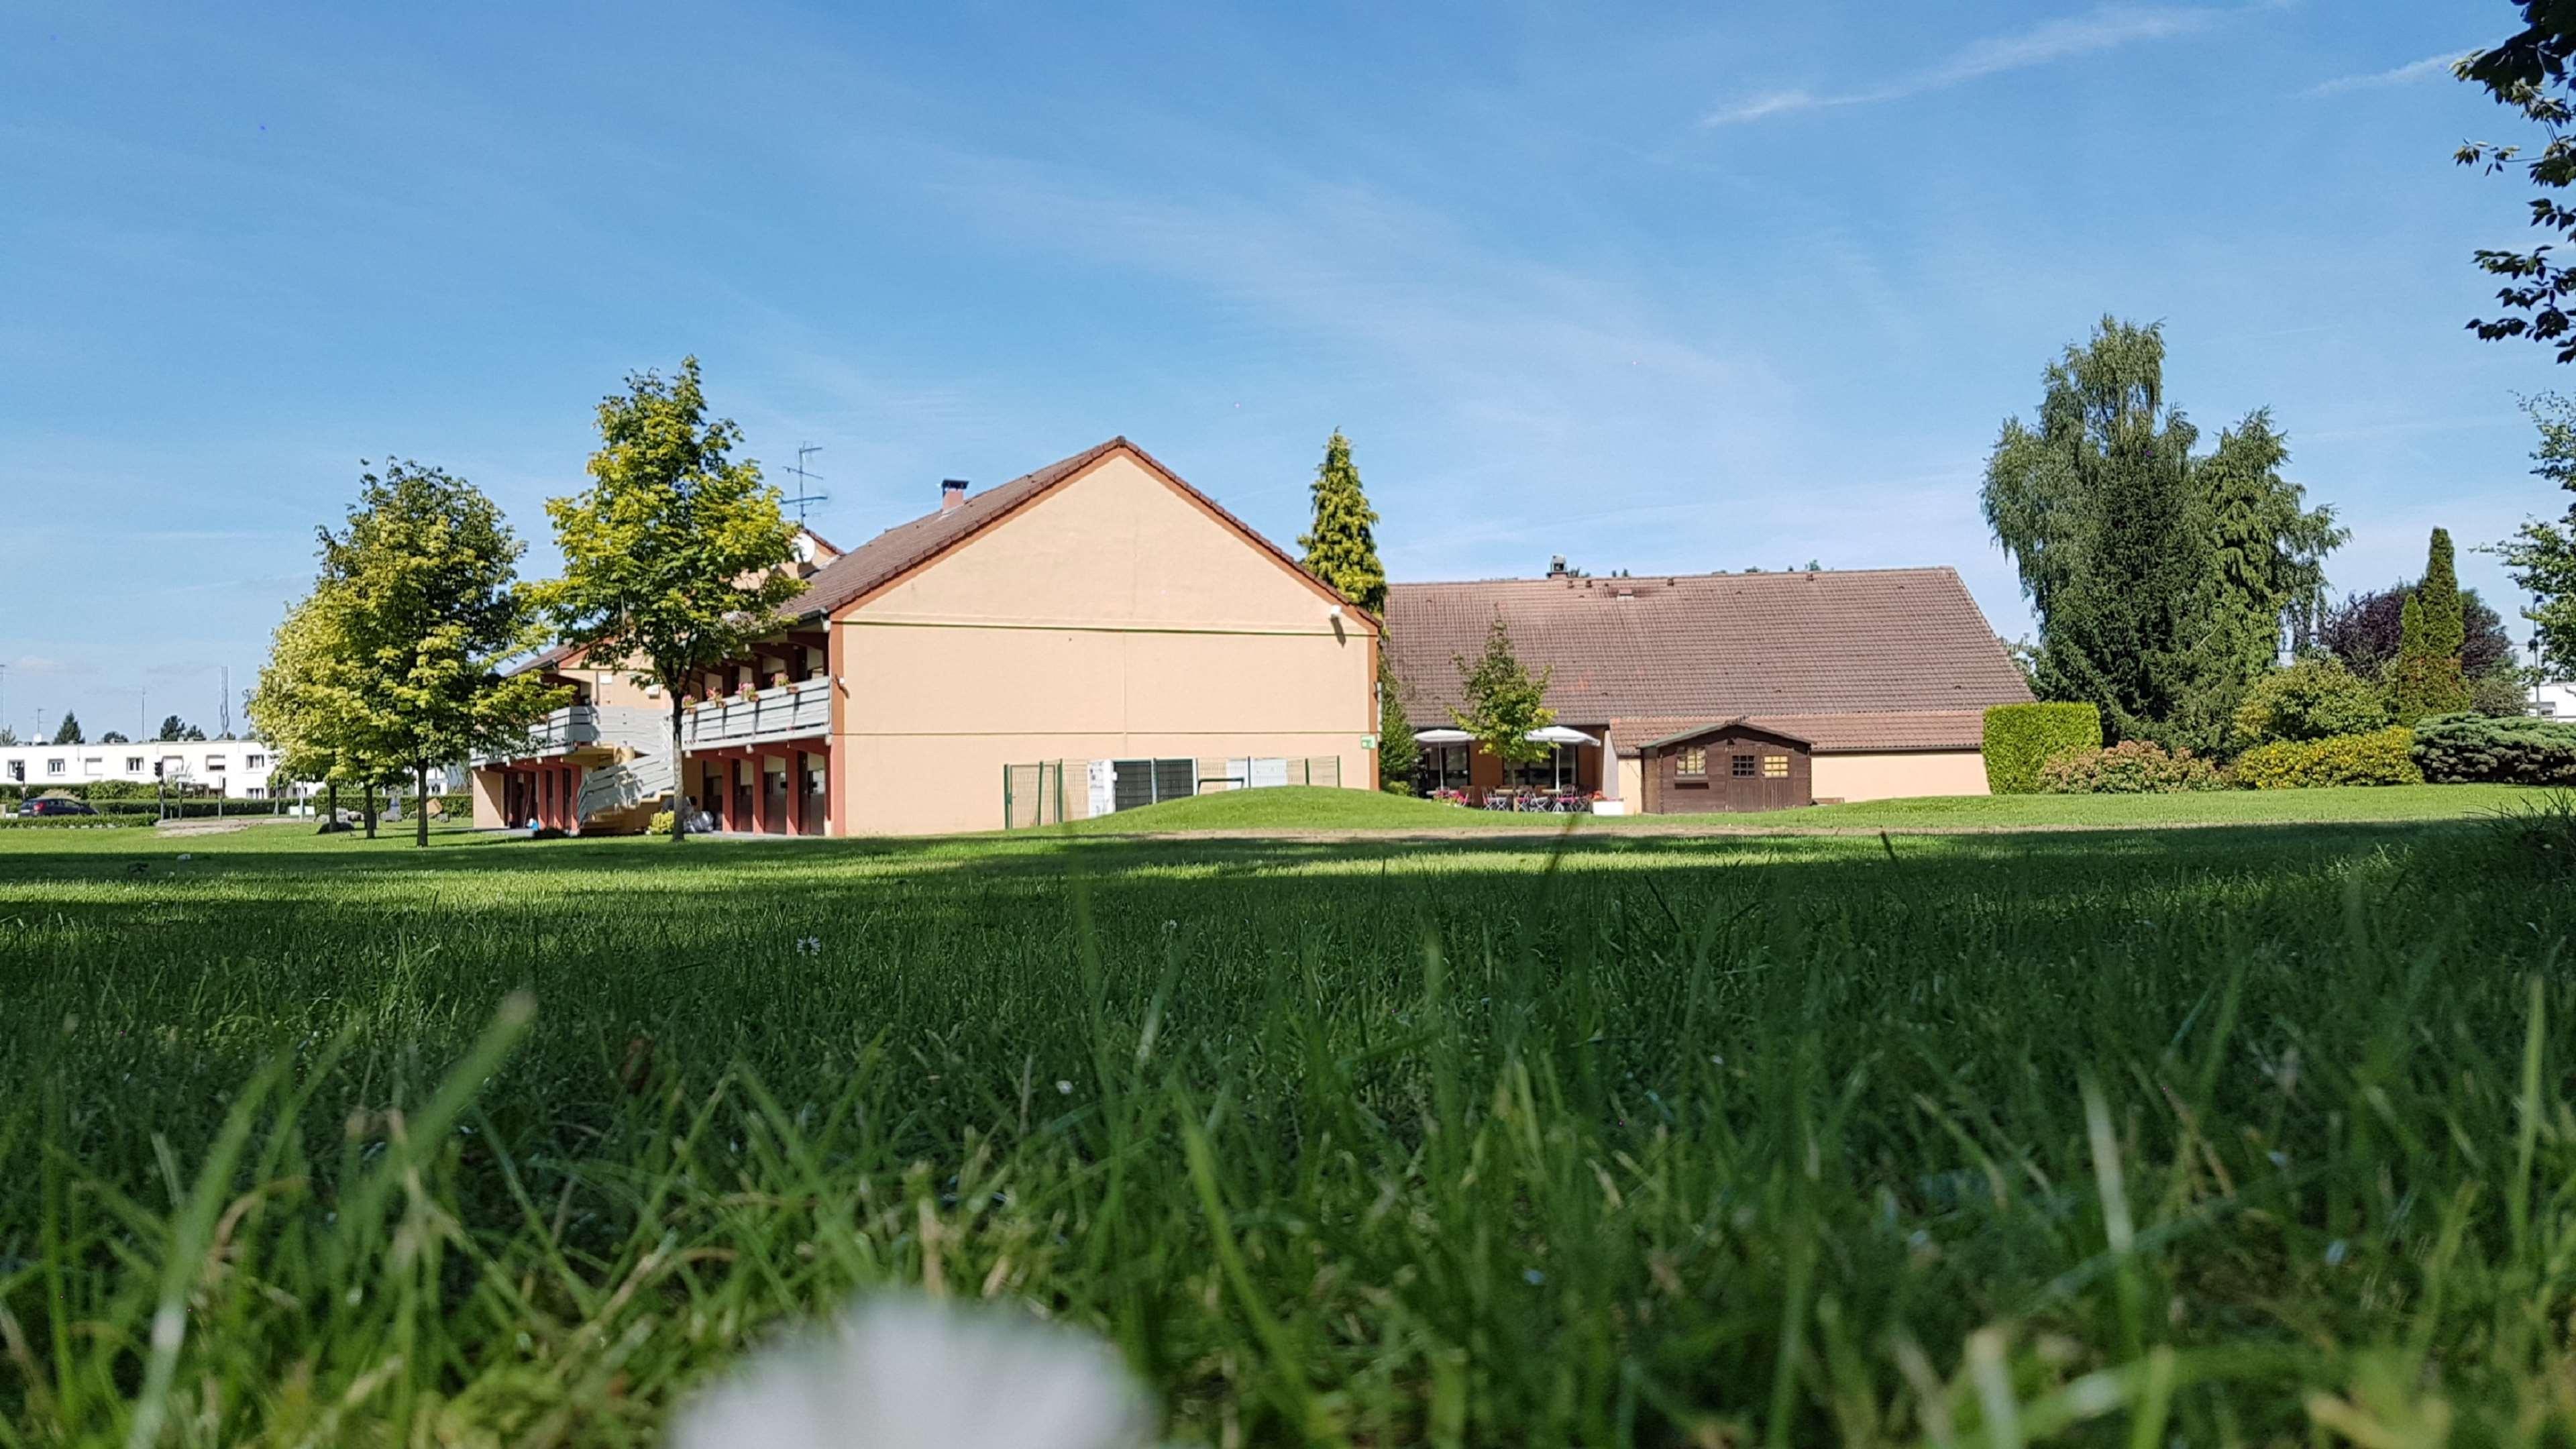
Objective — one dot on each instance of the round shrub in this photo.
(2131, 767)
(2020, 738)
(2499, 695)
(2469, 749)
(2314, 699)
(2381, 757)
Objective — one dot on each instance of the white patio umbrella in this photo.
(1560, 737)
(1442, 736)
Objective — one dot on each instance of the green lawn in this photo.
(2346, 804)
(1298, 807)
(2145, 1136)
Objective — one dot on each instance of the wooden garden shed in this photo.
(1733, 765)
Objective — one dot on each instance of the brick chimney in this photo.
(952, 494)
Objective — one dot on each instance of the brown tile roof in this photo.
(1860, 659)
(907, 546)
(1871, 731)
(545, 659)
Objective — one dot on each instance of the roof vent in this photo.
(952, 494)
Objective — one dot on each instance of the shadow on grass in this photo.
(480, 884)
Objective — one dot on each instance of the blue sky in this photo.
(1666, 289)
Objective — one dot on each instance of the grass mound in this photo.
(1292, 807)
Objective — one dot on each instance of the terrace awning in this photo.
(1441, 737)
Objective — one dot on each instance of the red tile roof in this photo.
(1855, 660)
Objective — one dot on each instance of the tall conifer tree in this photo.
(2426, 678)
(1341, 549)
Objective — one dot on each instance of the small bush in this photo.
(2381, 757)
(2470, 749)
(660, 824)
(2314, 699)
(2021, 738)
(2131, 767)
(2501, 696)
(2422, 687)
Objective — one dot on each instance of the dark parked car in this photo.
(42, 806)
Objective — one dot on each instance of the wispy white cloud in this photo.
(2413, 70)
(2108, 27)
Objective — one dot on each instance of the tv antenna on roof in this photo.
(805, 481)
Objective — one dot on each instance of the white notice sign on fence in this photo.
(1103, 780)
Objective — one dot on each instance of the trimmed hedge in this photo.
(71, 822)
(2131, 767)
(2458, 749)
(2381, 757)
(193, 808)
(100, 791)
(2021, 738)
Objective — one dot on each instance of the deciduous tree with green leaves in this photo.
(2161, 578)
(423, 591)
(675, 555)
(2541, 557)
(303, 704)
(2529, 73)
(1505, 702)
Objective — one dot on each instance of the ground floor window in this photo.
(1441, 767)
(1556, 769)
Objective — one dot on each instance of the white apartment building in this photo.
(236, 769)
